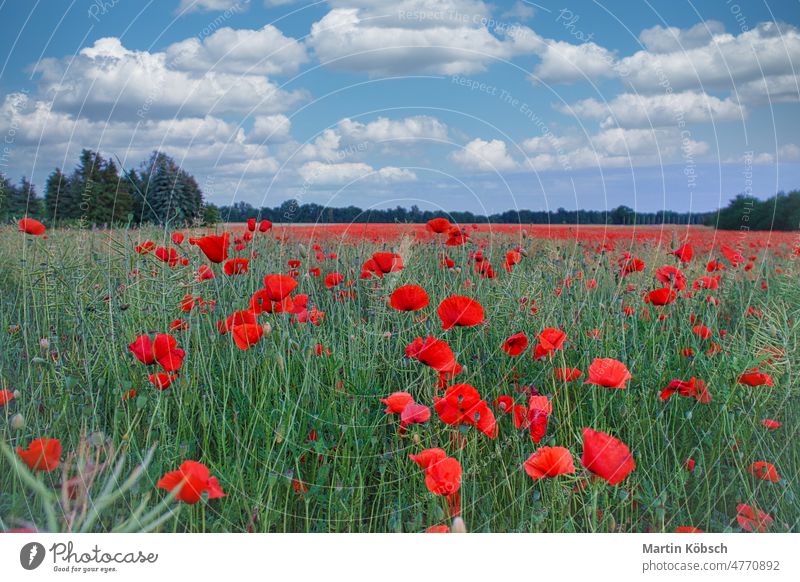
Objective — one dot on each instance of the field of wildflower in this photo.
(390, 378)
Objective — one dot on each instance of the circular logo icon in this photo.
(31, 555)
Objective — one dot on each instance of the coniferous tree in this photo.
(85, 184)
(21, 201)
(55, 189)
(6, 193)
(170, 195)
(111, 200)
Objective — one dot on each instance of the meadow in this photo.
(300, 405)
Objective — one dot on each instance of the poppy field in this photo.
(391, 378)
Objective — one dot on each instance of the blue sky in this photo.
(454, 104)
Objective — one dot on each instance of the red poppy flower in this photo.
(236, 266)
(314, 315)
(187, 303)
(606, 456)
(425, 459)
(439, 225)
(687, 529)
(458, 310)
(513, 257)
(661, 297)
(396, 402)
(516, 344)
(333, 279)
(244, 316)
(755, 378)
(177, 237)
(251, 224)
(6, 396)
(179, 325)
(438, 529)
(534, 417)
(684, 253)
(278, 287)
(701, 331)
(409, 298)
(672, 276)
(142, 349)
(384, 263)
(166, 255)
(166, 352)
(194, 479)
(414, 413)
(260, 302)
(549, 462)
(31, 226)
(456, 237)
(462, 404)
(434, 353)
(765, 471)
(161, 380)
(771, 424)
(706, 282)
(41, 455)
(567, 374)
(444, 477)
(264, 226)
(145, 247)
(247, 335)
(504, 404)
(630, 265)
(204, 273)
(694, 388)
(550, 340)
(608, 372)
(753, 519)
(215, 247)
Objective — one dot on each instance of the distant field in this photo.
(661, 233)
(290, 421)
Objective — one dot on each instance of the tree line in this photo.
(780, 212)
(293, 211)
(160, 192)
(97, 193)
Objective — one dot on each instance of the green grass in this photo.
(247, 415)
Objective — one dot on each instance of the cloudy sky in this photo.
(454, 104)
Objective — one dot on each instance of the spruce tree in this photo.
(54, 192)
(21, 201)
(111, 201)
(170, 195)
(6, 193)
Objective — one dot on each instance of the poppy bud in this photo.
(44, 343)
(524, 233)
(458, 526)
(267, 328)
(17, 422)
(523, 252)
